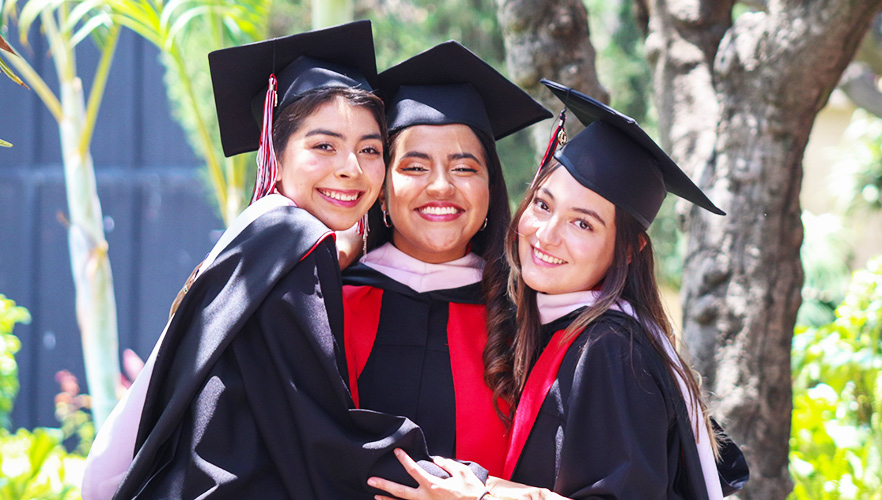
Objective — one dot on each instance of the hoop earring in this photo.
(484, 226)
(387, 221)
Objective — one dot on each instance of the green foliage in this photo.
(621, 63)
(34, 465)
(836, 442)
(71, 410)
(10, 314)
(403, 28)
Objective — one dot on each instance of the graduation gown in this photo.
(601, 417)
(420, 355)
(248, 395)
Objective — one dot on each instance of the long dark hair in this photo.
(489, 243)
(631, 277)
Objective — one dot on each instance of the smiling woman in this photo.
(425, 307)
(566, 236)
(605, 404)
(331, 164)
(438, 191)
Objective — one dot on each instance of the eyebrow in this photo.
(455, 156)
(463, 156)
(586, 211)
(416, 154)
(322, 131)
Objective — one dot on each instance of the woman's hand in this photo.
(461, 485)
(501, 489)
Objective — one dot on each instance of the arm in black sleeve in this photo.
(290, 362)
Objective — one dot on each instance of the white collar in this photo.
(552, 307)
(423, 276)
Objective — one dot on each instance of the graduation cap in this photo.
(449, 84)
(342, 56)
(615, 158)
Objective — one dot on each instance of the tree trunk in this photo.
(90, 265)
(736, 104)
(549, 40)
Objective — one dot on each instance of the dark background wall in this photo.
(159, 219)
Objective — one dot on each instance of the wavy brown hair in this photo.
(631, 278)
(489, 243)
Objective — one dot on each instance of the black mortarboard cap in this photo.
(615, 158)
(342, 56)
(449, 84)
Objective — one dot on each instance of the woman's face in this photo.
(333, 165)
(437, 192)
(566, 236)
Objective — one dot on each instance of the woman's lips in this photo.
(344, 198)
(545, 259)
(440, 212)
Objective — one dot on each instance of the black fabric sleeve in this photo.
(732, 466)
(616, 431)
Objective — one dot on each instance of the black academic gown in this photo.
(609, 423)
(248, 397)
(420, 355)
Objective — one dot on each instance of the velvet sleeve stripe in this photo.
(361, 310)
(539, 382)
(480, 434)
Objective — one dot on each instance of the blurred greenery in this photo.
(825, 255)
(8, 72)
(10, 314)
(836, 440)
(33, 464)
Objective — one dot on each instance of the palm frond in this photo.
(8, 71)
(96, 26)
(31, 11)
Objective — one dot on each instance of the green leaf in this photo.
(100, 20)
(90, 8)
(181, 22)
(32, 10)
(5, 144)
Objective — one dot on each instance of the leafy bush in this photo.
(10, 314)
(33, 465)
(836, 442)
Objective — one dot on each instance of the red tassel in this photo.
(267, 170)
(558, 140)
